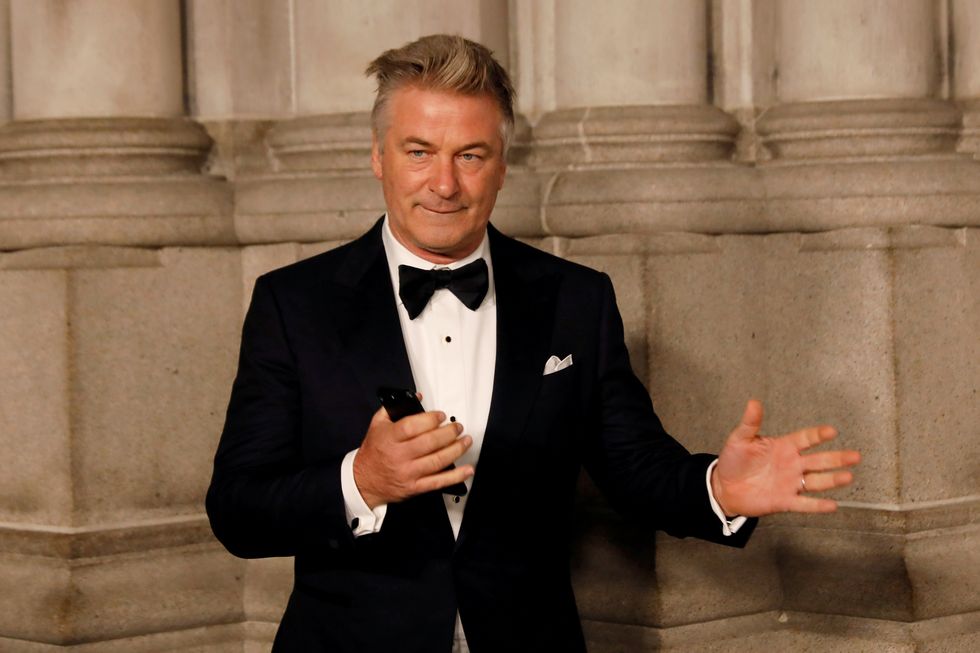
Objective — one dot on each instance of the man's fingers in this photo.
(413, 425)
(812, 504)
(425, 443)
(818, 462)
(441, 459)
(811, 437)
(818, 482)
(443, 479)
(751, 421)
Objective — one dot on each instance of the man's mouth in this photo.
(443, 210)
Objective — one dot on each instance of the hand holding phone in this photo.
(400, 403)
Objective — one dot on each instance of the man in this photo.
(520, 360)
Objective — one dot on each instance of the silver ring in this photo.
(803, 483)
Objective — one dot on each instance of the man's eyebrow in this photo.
(414, 140)
(476, 145)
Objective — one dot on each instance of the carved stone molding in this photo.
(596, 136)
(970, 140)
(81, 587)
(342, 142)
(324, 143)
(101, 147)
(860, 128)
(171, 210)
(120, 181)
(714, 198)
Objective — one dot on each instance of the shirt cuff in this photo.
(363, 520)
(728, 526)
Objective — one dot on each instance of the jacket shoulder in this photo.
(341, 263)
(537, 262)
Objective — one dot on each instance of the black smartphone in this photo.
(399, 403)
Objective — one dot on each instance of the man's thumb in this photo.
(748, 428)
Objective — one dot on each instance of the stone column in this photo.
(119, 356)
(97, 95)
(630, 92)
(858, 81)
(965, 22)
(862, 144)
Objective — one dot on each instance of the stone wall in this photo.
(785, 192)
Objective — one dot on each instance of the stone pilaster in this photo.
(99, 151)
(112, 415)
(115, 344)
(863, 148)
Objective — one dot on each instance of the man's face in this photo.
(441, 168)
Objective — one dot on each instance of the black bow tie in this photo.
(416, 287)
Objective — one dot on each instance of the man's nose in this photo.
(443, 181)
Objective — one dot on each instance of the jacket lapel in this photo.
(369, 328)
(371, 335)
(525, 297)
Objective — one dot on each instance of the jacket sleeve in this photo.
(640, 468)
(262, 500)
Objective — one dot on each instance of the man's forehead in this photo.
(423, 98)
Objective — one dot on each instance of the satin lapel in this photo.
(525, 300)
(369, 327)
(374, 346)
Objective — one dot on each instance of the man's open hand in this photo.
(401, 459)
(758, 475)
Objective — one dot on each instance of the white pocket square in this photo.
(555, 364)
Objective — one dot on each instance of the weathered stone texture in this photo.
(785, 193)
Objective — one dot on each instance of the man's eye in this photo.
(416, 154)
(469, 156)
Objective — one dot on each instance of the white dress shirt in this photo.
(452, 351)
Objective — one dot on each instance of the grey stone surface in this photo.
(96, 59)
(149, 389)
(807, 236)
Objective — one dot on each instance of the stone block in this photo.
(937, 362)
(153, 357)
(627, 274)
(861, 574)
(699, 581)
(829, 348)
(35, 431)
(943, 568)
(268, 583)
(35, 605)
(306, 209)
(625, 574)
(177, 589)
(70, 601)
(706, 334)
(177, 210)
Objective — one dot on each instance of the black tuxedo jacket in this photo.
(319, 338)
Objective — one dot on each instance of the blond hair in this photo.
(442, 62)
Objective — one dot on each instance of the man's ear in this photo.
(376, 155)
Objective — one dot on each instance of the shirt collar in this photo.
(397, 254)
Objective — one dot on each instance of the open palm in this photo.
(758, 475)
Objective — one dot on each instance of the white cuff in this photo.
(362, 518)
(728, 526)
